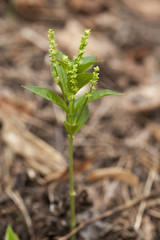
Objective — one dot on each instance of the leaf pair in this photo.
(55, 98)
(81, 112)
(80, 117)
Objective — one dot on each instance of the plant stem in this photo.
(71, 183)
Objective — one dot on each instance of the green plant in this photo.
(10, 235)
(71, 76)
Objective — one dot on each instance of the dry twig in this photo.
(111, 212)
(147, 189)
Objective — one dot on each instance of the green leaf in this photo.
(83, 79)
(63, 79)
(84, 111)
(79, 102)
(49, 95)
(86, 63)
(10, 235)
(84, 67)
(53, 71)
(59, 69)
(70, 128)
(61, 54)
(101, 93)
(88, 59)
(54, 74)
(95, 95)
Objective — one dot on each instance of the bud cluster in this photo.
(72, 73)
(84, 42)
(53, 52)
(71, 68)
(93, 81)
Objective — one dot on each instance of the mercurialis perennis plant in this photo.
(71, 76)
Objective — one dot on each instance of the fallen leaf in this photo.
(39, 155)
(114, 173)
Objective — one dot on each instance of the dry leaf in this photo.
(39, 155)
(116, 173)
(15, 105)
(79, 167)
(145, 8)
(144, 99)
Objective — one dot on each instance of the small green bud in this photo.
(57, 80)
(92, 87)
(93, 81)
(72, 97)
(65, 59)
(87, 32)
(88, 94)
(96, 69)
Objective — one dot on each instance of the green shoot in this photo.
(71, 76)
(10, 235)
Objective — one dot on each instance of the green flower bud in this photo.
(52, 45)
(88, 94)
(72, 97)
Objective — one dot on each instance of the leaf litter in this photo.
(117, 153)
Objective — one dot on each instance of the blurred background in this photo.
(121, 137)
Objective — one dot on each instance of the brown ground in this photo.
(116, 153)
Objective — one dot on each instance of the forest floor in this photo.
(117, 153)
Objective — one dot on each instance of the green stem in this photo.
(71, 183)
(71, 173)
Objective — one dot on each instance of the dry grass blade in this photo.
(116, 173)
(15, 196)
(35, 38)
(147, 189)
(154, 213)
